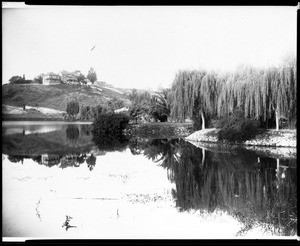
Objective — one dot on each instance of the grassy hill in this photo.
(57, 96)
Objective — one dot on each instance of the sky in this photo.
(143, 47)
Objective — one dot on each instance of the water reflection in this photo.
(251, 187)
(26, 128)
(65, 145)
(110, 142)
(72, 133)
(91, 162)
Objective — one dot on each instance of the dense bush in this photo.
(114, 104)
(22, 81)
(107, 131)
(90, 113)
(236, 128)
(86, 113)
(110, 123)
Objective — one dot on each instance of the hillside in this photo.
(57, 96)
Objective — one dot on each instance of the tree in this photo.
(73, 108)
(92, 76)
(280, 90)
(159, 106)
(135, 111)
(115, 103)
(262, 94)
(80, 77)
(133, 95)
(86, 113)
(96, 111)
(193, 94)
(207, 93)
(39, 79)
(110, 124)
(140, 104)
(19, 80)
(13, 79)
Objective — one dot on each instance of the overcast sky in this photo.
(143, 47)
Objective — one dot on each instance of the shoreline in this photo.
(269, 138)
(280, 143)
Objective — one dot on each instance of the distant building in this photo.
(69, 79)
(51, 79)
(120, 110)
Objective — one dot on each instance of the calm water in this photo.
(60, 182)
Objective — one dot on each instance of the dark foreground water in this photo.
(60, 182)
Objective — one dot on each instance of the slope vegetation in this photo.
(57, 96)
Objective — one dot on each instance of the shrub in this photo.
(236, 128)
(85, 113)
(107, 131)
(110, 123)
(90, 113)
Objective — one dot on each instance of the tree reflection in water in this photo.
(106, 142)
(251, 188)
(91, 162)
(72, 133)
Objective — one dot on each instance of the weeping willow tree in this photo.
(242, 90)
(194, 93)
(207, 92)
(261, 94)
(252, 93)
(279, 90)
(226, 97)
(182, 96)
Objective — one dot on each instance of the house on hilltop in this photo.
(51, 79)
(69, 79)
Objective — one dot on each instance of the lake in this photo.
(61, 182)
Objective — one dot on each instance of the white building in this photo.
(51, 79)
